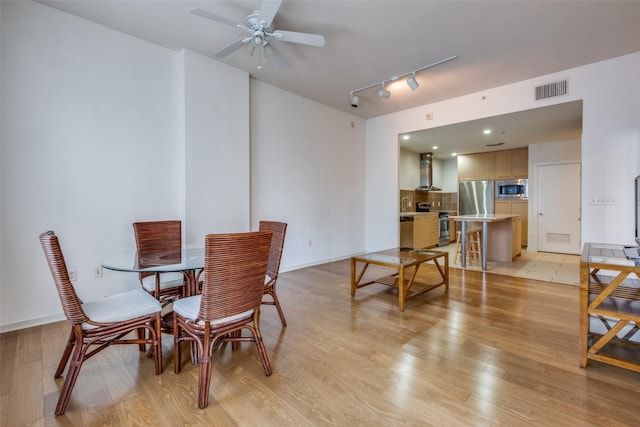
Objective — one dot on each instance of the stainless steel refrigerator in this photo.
(475, 197)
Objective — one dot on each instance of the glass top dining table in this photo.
(188, 260)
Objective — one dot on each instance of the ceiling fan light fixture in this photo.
(251, 48)
(268, 50)
(412, 82)
(384, 93)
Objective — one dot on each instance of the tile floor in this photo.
(546, 266)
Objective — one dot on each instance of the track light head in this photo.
(384, 93)
(354, 100)
(412, 82)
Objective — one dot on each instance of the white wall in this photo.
(610, 143)
(408, 170)
(100, 129)
(308, 170)
(88, 131)
(444, 172)
(216, 116)
(450, 175)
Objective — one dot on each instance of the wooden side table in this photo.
(400, 261)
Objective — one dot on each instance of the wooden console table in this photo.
(400, 261)
(603, 295)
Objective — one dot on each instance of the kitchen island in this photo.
(501, 236)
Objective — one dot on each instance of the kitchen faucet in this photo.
(403, 208)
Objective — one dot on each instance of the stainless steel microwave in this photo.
(512, 189)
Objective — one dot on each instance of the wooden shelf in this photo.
(601, 296)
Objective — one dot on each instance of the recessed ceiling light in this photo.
(405, 137)
(486, 131)
(435, 147)
(454, 154)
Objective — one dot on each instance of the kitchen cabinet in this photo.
(484, 166)
(520, 163)
(502, 162)
(476, 167)
(511, 164)
(516, 236)
(426, 231)
(516, 207)
(421, 232)
(494, 165)
(466, 170)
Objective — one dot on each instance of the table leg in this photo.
(353, 277)
(401, 295)
(463, 239)
(484, 245)
(192, 283)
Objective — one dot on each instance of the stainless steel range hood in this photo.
(426, 173)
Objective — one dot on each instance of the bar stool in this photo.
(474, 245)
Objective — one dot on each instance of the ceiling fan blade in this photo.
(231, 48)
(268, 10)
(304, 38)
(274, 54)
(217, 18)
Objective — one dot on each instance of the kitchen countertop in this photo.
(413, 213)
(484, 217)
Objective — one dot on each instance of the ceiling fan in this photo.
(261, 35)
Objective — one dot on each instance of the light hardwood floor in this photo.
(493, 350)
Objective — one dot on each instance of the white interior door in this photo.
(558, 208)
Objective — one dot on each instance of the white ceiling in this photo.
(497, 42)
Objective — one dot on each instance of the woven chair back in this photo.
(154, 236)
(71, 304)
(158, 236)
(235, 266)
(277, 243)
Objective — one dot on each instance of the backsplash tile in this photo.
(440, 200)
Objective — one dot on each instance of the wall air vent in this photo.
(552, 89)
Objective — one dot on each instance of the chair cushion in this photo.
(190, 307)
(167, 280)
(121, 307)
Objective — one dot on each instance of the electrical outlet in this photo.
(97, 271)
(72, 274)
(603, 200)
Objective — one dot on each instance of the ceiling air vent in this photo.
(551, 90)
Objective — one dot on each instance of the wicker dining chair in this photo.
(99, 323)
(160, 236)
(275, 254)
(235, 266)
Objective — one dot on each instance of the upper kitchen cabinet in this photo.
(476, 167)
(494, 165)
(512, 163)
(520, 163)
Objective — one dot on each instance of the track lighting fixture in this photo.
(383, 92)
(354, 100)
(411, 82)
